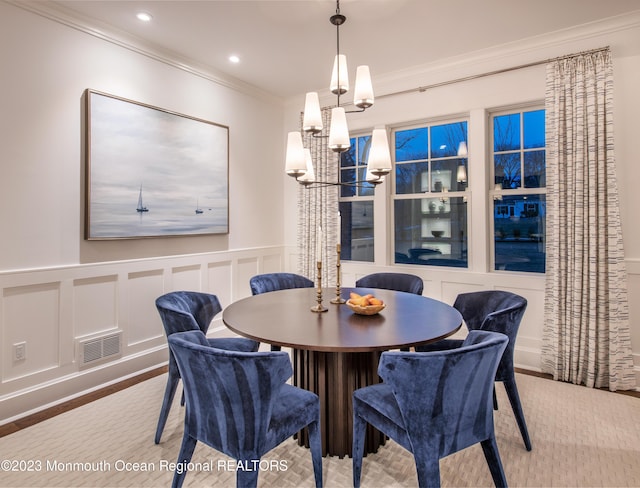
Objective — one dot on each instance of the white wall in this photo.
(55, 287)
(475, 98)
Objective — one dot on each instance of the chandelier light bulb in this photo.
(461, 175)
(339, 132)
(295, 164)
(309, 177)
(373, 179)
(312, 121)
(339, 86)
(363, 93)
(379, 161)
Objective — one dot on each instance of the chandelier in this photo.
(299, 164)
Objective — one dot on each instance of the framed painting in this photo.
(153, 173)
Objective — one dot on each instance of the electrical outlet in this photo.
(20, 351)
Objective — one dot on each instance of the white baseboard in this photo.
(33, 400)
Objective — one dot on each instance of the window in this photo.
(519, 194)
(430, 211)
(356, 203)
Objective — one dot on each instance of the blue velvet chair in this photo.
(267, 282)
(264, 283)
(190, 310)
(498, 311)
(434, 404)
(392, 281)
(240, 404)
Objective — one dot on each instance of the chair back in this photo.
(229, 394)
(181, 311)
(264, 283)
(446, 397)
(392, 281)
(496, 311)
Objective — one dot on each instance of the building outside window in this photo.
(356, 203)
(430, 210)
(519, 193)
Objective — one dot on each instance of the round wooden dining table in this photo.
(337, 351)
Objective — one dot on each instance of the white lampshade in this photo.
(339, 86)
(312, 121)
(339, 132)
(371, 178)
(461, 175)
(363, 93)
(379, 162)
(309, 177)
(462, 150)
(497, 188)
(295, 164)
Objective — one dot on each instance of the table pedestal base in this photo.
(334, 376)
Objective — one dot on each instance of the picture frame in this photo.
(151, 172)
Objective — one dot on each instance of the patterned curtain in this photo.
(586, 338)
(318, 209)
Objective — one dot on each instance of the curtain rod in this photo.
(424, 88)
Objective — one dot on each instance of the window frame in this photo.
(430, 193)
(357, 197)
(493, 192)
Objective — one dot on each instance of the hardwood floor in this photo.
(35, 418)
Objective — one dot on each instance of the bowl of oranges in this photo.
(364, 304)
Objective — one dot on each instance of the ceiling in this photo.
(287, 47)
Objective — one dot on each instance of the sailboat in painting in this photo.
(141, 207)
(198, 209)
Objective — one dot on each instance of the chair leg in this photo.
(315, 443)
(428, 471)
(492, 455)
(495, 398)
(514, 399)
(357, 447)
(186, 451)
(169, 393)
(247, 479)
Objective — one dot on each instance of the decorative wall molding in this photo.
(51, 309)
(62, 15)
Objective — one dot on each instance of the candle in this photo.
(319, 245)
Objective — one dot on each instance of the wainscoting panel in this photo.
(31, 325)
(186, 277)
(49, 313)
(142, 319)
(449, 290)
(94, 304)
(220, 281)
(245, 270)
(271, 263)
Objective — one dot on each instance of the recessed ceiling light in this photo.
(234, 59)
(144, 16)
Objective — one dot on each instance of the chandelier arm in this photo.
(322, 184)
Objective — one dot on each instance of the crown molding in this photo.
(534, 49)
(62, 15)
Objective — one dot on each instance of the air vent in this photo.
(97, 348)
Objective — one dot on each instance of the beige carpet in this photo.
(580, 436)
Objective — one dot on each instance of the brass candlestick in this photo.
(319, 307)
(338, 299)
